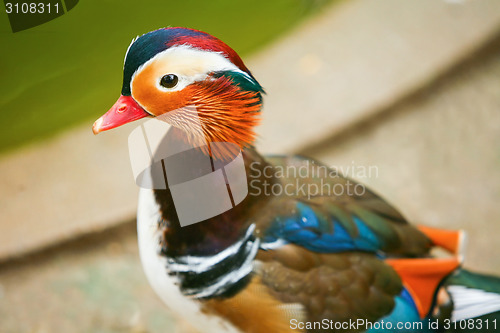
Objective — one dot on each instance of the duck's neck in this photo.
(213, 258)
(215, 234)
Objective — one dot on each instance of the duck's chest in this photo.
(217, 293)
(155, 267)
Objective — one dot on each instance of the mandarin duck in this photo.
(276, 262)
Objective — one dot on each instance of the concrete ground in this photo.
(412, 88)
(92, 285)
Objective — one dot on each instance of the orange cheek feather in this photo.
(157, 102)
(227, 113)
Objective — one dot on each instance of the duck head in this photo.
(191, 80)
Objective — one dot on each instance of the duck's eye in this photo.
(169, 81)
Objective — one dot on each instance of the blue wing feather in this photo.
(320, 233)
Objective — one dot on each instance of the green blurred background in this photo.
(68, 71)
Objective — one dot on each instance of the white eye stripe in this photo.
(182, 82)
(189, 64)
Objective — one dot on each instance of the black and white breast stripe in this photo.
(220, 275)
